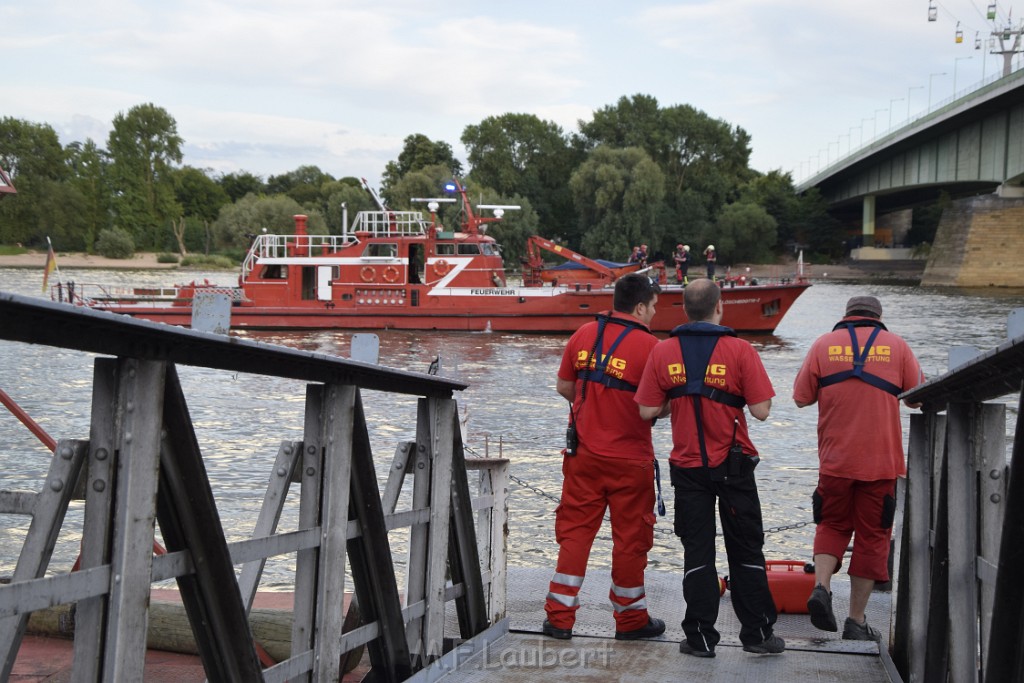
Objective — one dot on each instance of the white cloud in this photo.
(341, 84)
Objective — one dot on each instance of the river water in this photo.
(510, 406)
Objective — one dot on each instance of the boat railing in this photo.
(94, 294)
(142, 465)
(958, 591)
(90, 293)
(389, 223)
(270, 246)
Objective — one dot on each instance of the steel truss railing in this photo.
(142, 465)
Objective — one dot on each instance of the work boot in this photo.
(854, 631)
(772, 645)
(555, 632)
(688, 649)
(820, 607)
(654, 627)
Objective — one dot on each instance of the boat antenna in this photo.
(471, 222)
(433, 204)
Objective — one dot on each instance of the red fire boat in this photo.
(404, 270)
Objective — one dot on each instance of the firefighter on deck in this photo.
(608, 463)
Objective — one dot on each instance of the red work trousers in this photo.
(860, 509)
(592, 484)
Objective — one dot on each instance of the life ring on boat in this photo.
(441, 267)
(367, 273)
(390, 273)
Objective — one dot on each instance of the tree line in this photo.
(636, 173)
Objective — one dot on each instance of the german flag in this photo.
(51, 264)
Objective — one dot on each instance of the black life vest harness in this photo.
(597, 364)
(697, 341)
(860, 357)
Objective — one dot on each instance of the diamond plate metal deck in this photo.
(594, 656)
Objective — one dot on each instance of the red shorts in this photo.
(863, 510)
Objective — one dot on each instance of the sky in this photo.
(267, 86)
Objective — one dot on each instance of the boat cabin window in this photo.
(490, 249)
(379, 249)
(469, 248)
(443, 249)
(274, 272)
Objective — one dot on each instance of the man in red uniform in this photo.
(608, 463)
(703, 376)
(711, 258)
(855, 374)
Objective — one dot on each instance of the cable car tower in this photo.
(1006, 49)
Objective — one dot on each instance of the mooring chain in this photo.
(659, 529)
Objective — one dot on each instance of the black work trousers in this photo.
(740, 512)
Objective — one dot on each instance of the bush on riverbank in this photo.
(115, 243)
(203, 261)
(166, 258)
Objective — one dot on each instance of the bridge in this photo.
(971, 147)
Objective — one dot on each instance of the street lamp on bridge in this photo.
(956, 62)
(874, 129)
(892, 102)
(930, 77)
(913, 87)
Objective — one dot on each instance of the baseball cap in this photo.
(864, 303)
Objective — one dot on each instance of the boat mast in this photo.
(473, 224)
(376, 197)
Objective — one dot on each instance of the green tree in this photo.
(520, 154)
(774, 192)
(816, 228)
(239, 184)
(144, 145)
(617, 194)
(303, 185)
(238, 223)
(745, 232)
(32, 154)
(345, 198)
(704, 160)
(418, 152)
(88, 167)
(428, 181)
(200, 198)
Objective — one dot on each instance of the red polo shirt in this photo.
(608, 421)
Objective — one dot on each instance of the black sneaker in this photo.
(555, 632)
(688, 649)
(772, 645)
(654, 627)
(820, 607)
(854, 631)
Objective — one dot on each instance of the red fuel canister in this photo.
(790, 585)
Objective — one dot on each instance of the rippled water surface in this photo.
(510, 407)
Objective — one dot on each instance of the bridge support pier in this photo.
(978, 244)
(868, 220)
